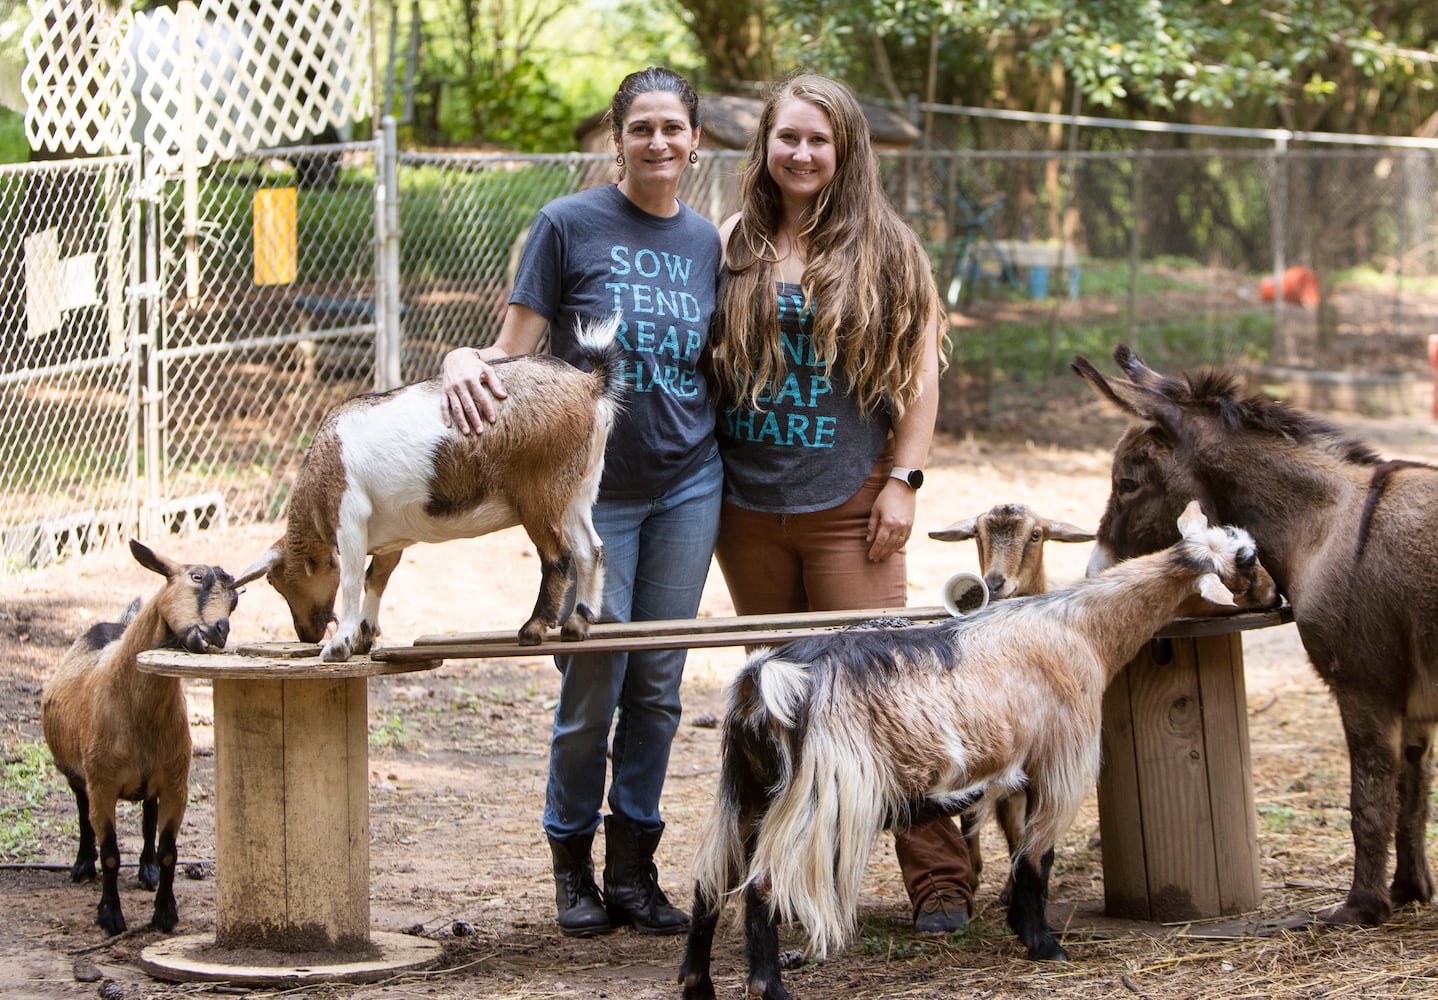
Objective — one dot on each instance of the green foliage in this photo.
(1022, 352)
(1162, 56)
(14, 146)
(29, 777)
(1278, 818)
(393, 733)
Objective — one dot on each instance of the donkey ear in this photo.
(1211, 588)
(956, 532)
(1192, 522)
(1135, 399)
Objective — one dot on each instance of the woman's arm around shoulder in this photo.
(470, 385)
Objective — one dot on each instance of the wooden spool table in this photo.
(291, 823)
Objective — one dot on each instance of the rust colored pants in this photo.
(934, 858)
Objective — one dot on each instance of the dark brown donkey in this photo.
(1351, 541)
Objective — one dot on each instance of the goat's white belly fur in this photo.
(387, 449)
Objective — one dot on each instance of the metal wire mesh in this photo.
(68, 450)
(244, 371)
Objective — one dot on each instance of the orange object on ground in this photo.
(1300, 287)
(1433, 363)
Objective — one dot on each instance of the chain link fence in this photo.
(168, 344)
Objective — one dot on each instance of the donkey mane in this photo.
(1219, 391)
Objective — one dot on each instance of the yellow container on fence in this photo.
(276, 236)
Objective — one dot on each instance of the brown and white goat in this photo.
(828, 739)
(1349, 538)
(118, 733)
(1010, 539)
(384, 472)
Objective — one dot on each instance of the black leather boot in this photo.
(576, 896)
(631, 882)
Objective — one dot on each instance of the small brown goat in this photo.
(1010, 538)
(385, 472)
(117, 733)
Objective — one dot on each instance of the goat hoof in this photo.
(1349, 915)
(364, 642)
(149, 876)
(336, 651)
(1048, 951)
(697, 987)
(83, 871)
(575, 628)
(1404, 891)
(532, 634)
(110, 919)
(768, 989)
(166, 918)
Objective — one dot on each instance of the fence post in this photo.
(1283, 352)
(389, 338)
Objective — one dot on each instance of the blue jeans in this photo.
(656, 558)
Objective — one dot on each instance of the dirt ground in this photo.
(457, 770)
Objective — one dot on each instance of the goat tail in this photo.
(825, 811)
(600, 349)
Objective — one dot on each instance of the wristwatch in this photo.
(913, 477)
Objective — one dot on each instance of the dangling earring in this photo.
(694, 157)
(619, 161)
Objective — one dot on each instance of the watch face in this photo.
(916, 478)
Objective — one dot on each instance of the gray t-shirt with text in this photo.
(591, 254)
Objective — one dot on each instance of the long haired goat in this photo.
(117, 733)
(385, 472)
(828, 739)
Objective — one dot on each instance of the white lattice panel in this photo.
(75, 82)
(272, 74)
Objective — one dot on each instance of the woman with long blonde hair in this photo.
(825, 356)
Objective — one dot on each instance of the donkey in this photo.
(1352, 542)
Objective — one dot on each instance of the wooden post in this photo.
(292, 813)
(1176, 814)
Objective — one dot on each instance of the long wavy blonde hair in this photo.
(867, 276)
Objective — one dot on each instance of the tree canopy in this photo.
(1305, 64)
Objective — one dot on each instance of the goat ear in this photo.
(1062, 531)
(1211, 589)
(1192, 521)
(150, 560)
(956, 532)
(260, 568)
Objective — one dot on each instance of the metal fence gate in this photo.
(155, 378)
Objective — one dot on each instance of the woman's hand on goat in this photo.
(470, 386)
(891, 520)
